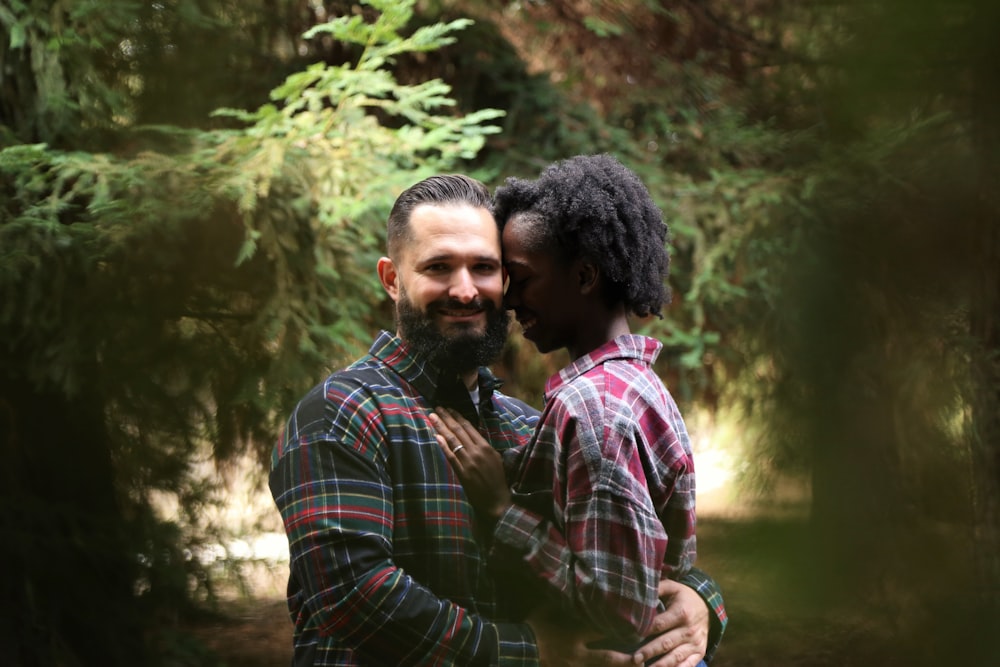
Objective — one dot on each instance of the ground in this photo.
(249, 633)
(768, 577)
(767, 628)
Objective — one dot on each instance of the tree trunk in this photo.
(985, 328)
(69, 573)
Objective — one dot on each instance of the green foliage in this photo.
(717, 170)
(56, 86)
(171, 280)
(188, 296)
(602, 28)
(830, 193)
(881, 340)
(305, 180)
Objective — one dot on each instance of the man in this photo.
(387, 567)
(601, 503)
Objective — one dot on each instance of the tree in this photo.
(827, 171)
(168, 287)
(884, 329)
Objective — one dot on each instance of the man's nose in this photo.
(463, 287)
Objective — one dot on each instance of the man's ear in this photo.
(389, 277)
(589, 276)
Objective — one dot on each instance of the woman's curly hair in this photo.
(594, 207)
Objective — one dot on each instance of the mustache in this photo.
(477, 303)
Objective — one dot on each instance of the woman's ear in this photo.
(389, 277)
(588, 275)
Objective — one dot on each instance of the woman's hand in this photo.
(477, 464)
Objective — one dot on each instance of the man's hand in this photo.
(562, 645)
(682, 642)
(684, 625)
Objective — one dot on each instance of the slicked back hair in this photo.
(595, 208)
(442, 189)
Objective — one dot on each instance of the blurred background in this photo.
(192, 200)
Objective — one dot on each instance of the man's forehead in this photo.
(454, 224)
(451, 209)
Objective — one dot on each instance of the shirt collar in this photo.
(426, 377)
(632, 347)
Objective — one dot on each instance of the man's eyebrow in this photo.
(488, 258)
(435, 258)
(448, 256)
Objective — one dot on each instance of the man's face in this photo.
(449, 285)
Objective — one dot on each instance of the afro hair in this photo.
(596, 208)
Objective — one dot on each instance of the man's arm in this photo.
(336, 503)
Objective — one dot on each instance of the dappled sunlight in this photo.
(725, 464)
(716, 469)
(716, 446)
(236, 532)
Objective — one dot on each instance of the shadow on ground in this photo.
(766, 571)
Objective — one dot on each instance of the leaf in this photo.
(602, 28)
(18, 38)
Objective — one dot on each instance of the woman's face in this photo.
(542, 290)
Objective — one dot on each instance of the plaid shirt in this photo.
(386, 567)
(605, 492)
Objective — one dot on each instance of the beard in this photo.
(465, 348)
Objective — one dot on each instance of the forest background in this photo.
(193, 194)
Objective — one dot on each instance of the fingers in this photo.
(668, 654)
(671, 619)
(447, 428)
(462, 426)
(674, 659)
(454, 434)
(445, 437)
(453, 461)
(693, 660)
(668, 588)
(680, 647)
(683, 609)
(599, 658)
(457, 430)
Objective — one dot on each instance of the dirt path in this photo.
(253, 633)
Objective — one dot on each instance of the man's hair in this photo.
(443, 189)
(594, 207)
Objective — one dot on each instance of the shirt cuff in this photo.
(709, 591)
(516, 645)
(515, 527)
